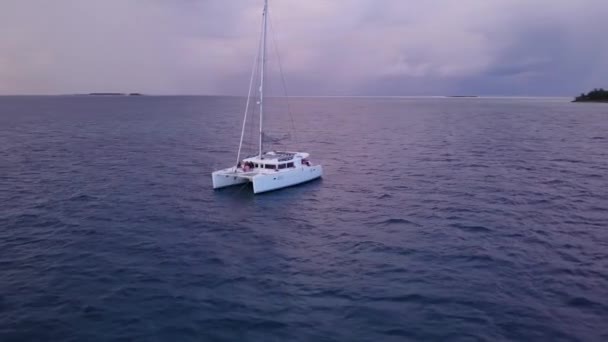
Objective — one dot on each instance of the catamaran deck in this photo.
(274, 157)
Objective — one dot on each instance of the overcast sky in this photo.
(327, 47)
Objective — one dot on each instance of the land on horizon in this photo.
(596, 95)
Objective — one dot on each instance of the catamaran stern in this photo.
(222, 179)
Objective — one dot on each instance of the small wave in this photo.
(331, 293)
(540, 232)
(469, 228)
(252, 323)
(587, 304)
(536, 241)
(483, 260)
(477, 166)
(564, 160)
(395, 221)
(82, 198)
(38, 221)
(579, 302)
(325, 142)
(268, 324)
(554, 182)
(410, 298)
(568, 257)
(398, 332)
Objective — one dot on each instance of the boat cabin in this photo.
(274, 160)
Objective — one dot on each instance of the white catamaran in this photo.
(270, 170)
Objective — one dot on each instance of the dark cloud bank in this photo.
(341, 47)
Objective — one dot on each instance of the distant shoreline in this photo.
(596, 101)
(112, 94)
(596, 95)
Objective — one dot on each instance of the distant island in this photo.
(596, 95)
(114, 94)
(463, 96)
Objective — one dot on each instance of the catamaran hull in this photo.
(270, 182)
(264, 182)
(225, 179)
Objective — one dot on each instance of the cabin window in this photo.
(270, 166)
(282, 166)
(256, 165)
(290, 164)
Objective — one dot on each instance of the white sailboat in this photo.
(268, 170)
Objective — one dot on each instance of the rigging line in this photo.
(276, 49)
(252, 137)
(253, 68)
(267, 113)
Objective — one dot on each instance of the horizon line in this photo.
(305, 96)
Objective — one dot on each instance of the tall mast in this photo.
(256, 63)
(265, 16)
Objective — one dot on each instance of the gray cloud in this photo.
(338, 47)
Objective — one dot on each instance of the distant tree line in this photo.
(597, 95)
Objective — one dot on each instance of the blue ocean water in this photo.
(438, 219)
